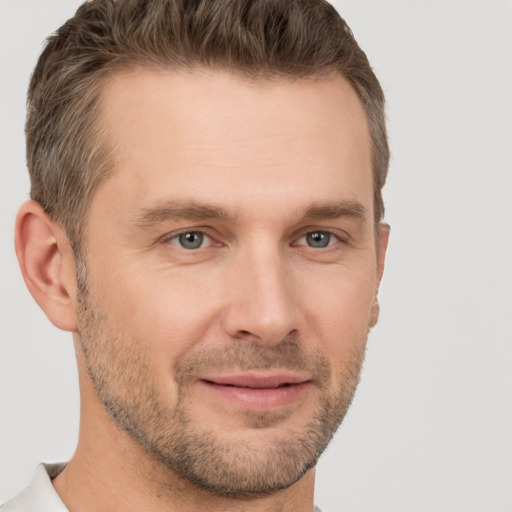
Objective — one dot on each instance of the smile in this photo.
(259, 391)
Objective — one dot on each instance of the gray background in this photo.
(431, 427)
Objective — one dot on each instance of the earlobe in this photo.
(382, 246)
(47, 264)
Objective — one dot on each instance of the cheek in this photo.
(343, 317)
(171, 310)
(338, 309)
(167, 310)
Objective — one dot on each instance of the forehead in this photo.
(203, 132)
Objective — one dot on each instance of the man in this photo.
(206, 219)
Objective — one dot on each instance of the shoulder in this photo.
(39, 496)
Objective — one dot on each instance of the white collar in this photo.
(40, 495)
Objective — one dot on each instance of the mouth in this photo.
(259, 391)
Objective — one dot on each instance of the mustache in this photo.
(288, 354)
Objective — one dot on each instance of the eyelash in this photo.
(333, 239)
(177, 236)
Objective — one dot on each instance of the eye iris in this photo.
(191, 240)
(318, 239)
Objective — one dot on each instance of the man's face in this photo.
(231, 272)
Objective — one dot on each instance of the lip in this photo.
(259, 391)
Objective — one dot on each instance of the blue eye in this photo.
(319, 239)
(190, 240)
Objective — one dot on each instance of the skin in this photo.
(279, 159)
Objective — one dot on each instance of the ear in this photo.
(382, 246)
(47, 264)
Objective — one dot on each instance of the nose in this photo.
(262, 302)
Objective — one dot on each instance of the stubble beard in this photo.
(120, 370)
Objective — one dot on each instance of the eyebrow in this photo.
(197, 212)
(336, 210)
(180, 211)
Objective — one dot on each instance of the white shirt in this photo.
(40, 495)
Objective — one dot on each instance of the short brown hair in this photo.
(259, 38)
